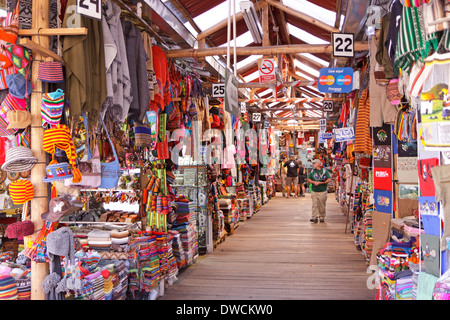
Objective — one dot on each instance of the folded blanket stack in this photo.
(99, 240)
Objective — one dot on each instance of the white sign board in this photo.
(218, 90)
(90, 8)
(323, 125)
(343, 45)
(231, 95)
(328, 105)
(256, 117)
(267, 71)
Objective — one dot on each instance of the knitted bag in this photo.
(110, 170)
(10, 103)
(19, 57)
(91, 171)
(50, 71)
(9, 31)
(392, 93)
(52, 108)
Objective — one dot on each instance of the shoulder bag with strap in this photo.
(110, 170)
(91, 175)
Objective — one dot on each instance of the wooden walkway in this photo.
(279, 255)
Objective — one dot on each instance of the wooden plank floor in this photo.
(279, 255)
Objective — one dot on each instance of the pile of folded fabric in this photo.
(367, 240)
(172, 266)
(97, 281)
(99, 240)
(218, 225)
(186, 225)
(120, 280)
(404, 285)
(394, 273)
(177, 249)
(245, 206)
(89, 260)
(162, 243)
(107, 283)
(119, 238)
(143, 257)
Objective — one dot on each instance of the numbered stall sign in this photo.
(90, 8)
(218, 90)
(256, 117)
(343, 45)
(328, 105)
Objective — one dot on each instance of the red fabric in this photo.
(382, 179)
(2, 150)
(426, 182)
(161, 69)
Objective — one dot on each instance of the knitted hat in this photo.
(8, 288)
(21, 191)
(60, 207)
(18, 86)
(58, 171)
(20, 229)
(18, 119)
(19, 159)
(52, 108)
(60, 243)
(60, 138)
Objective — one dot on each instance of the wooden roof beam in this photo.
(272, 50)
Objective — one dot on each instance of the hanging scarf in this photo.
(61, 138)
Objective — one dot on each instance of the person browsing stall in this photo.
(291, 176)
(319, 179)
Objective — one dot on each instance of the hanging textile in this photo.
(118, 84)
(413, 44)
(137, 65)
(85, 65)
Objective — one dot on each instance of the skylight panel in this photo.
(305, 36)
(312, 10)
(213, 16)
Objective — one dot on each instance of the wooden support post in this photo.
(39, 204)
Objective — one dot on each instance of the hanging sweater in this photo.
(137, 65)
(118, 83)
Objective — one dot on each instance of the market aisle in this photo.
(279, 254)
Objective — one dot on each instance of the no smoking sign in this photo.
(267, 71)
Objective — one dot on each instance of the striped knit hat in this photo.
(52, 108)
(8, 288)
(60, 138)
(19, 159)
(21, 191)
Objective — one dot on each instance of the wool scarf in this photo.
(60, 138)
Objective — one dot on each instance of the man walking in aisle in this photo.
(319, 179)
(282, 172)
(291, 176)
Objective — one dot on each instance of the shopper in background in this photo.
(301, 179)
(282, 172)
(292, 175)
(319, 179)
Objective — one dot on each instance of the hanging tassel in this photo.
(54, 193)
(76, 175)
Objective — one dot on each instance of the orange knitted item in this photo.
(61, 138)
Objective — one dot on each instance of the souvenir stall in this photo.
(391, 175)
(106, 192)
